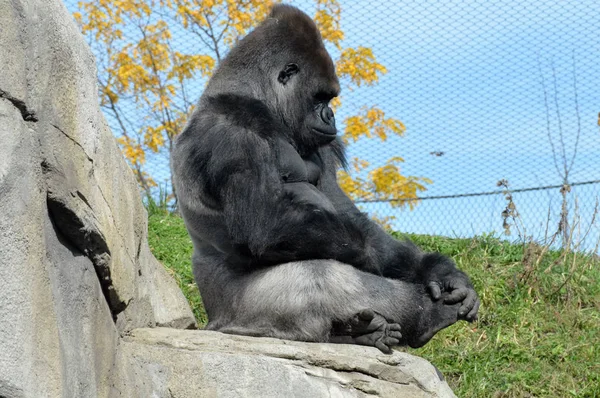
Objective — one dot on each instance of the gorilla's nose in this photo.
(327, 115)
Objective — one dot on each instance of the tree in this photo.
(143, 70)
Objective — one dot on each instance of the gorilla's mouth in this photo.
(326, 133)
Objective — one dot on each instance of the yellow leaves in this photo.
(144, 179)
(384, 222)
(185, 66)
(145, 68)
(328, 18)
(389, 183)
(153, 138)
(227, 19)
(108, 95)
(97, 21)
(360, 66)
(101, 16)
(129, 74)
(243, 15)
(162, 103)
(355, 187)
(78, 17)
(335, 103)
(330, 27)
(385, 183)
(355, 127)
(372, 122)
(191, 15)
(152, 51)
(132, 151)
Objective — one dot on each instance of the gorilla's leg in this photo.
(305, 300)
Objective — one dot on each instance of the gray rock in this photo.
(79, 284)
(73, 231)
(183, 363)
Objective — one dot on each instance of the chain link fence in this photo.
(489, 91)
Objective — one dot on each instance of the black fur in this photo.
(255, 172)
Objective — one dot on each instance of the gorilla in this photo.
(279, 249)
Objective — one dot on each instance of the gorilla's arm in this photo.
(268, 223)
(396, 259)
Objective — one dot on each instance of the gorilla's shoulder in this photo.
(242, 111)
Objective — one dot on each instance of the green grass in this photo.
(171, 245)
(538, 333)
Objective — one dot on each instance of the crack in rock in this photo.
(74, 141)
(76, 221)
(26, 114)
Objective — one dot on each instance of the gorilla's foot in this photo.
(436, 317)
(367, 328)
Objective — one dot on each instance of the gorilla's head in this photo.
(284, 64)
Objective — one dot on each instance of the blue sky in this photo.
(465, 77)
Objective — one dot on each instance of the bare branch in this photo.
(214, 39)
(560, 128)
(577, 114)
(547, 107)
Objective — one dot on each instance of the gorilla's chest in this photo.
(294, 168)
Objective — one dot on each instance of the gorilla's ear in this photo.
(287, 72)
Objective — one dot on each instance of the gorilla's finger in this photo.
(395, 335)
(360, 322)
(389, 320)
(457, 296)
(434, 290)
(390, 341)
(368, 339)
(382, 347)
(472, 315)
(366, 315)
(467, 304)
(394, 327)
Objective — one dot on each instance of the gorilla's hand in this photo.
(307, 195)
(367, 328)
(440, 276)
(460, 290)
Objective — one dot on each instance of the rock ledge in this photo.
(188, 363)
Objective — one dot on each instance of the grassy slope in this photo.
(533, 338)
